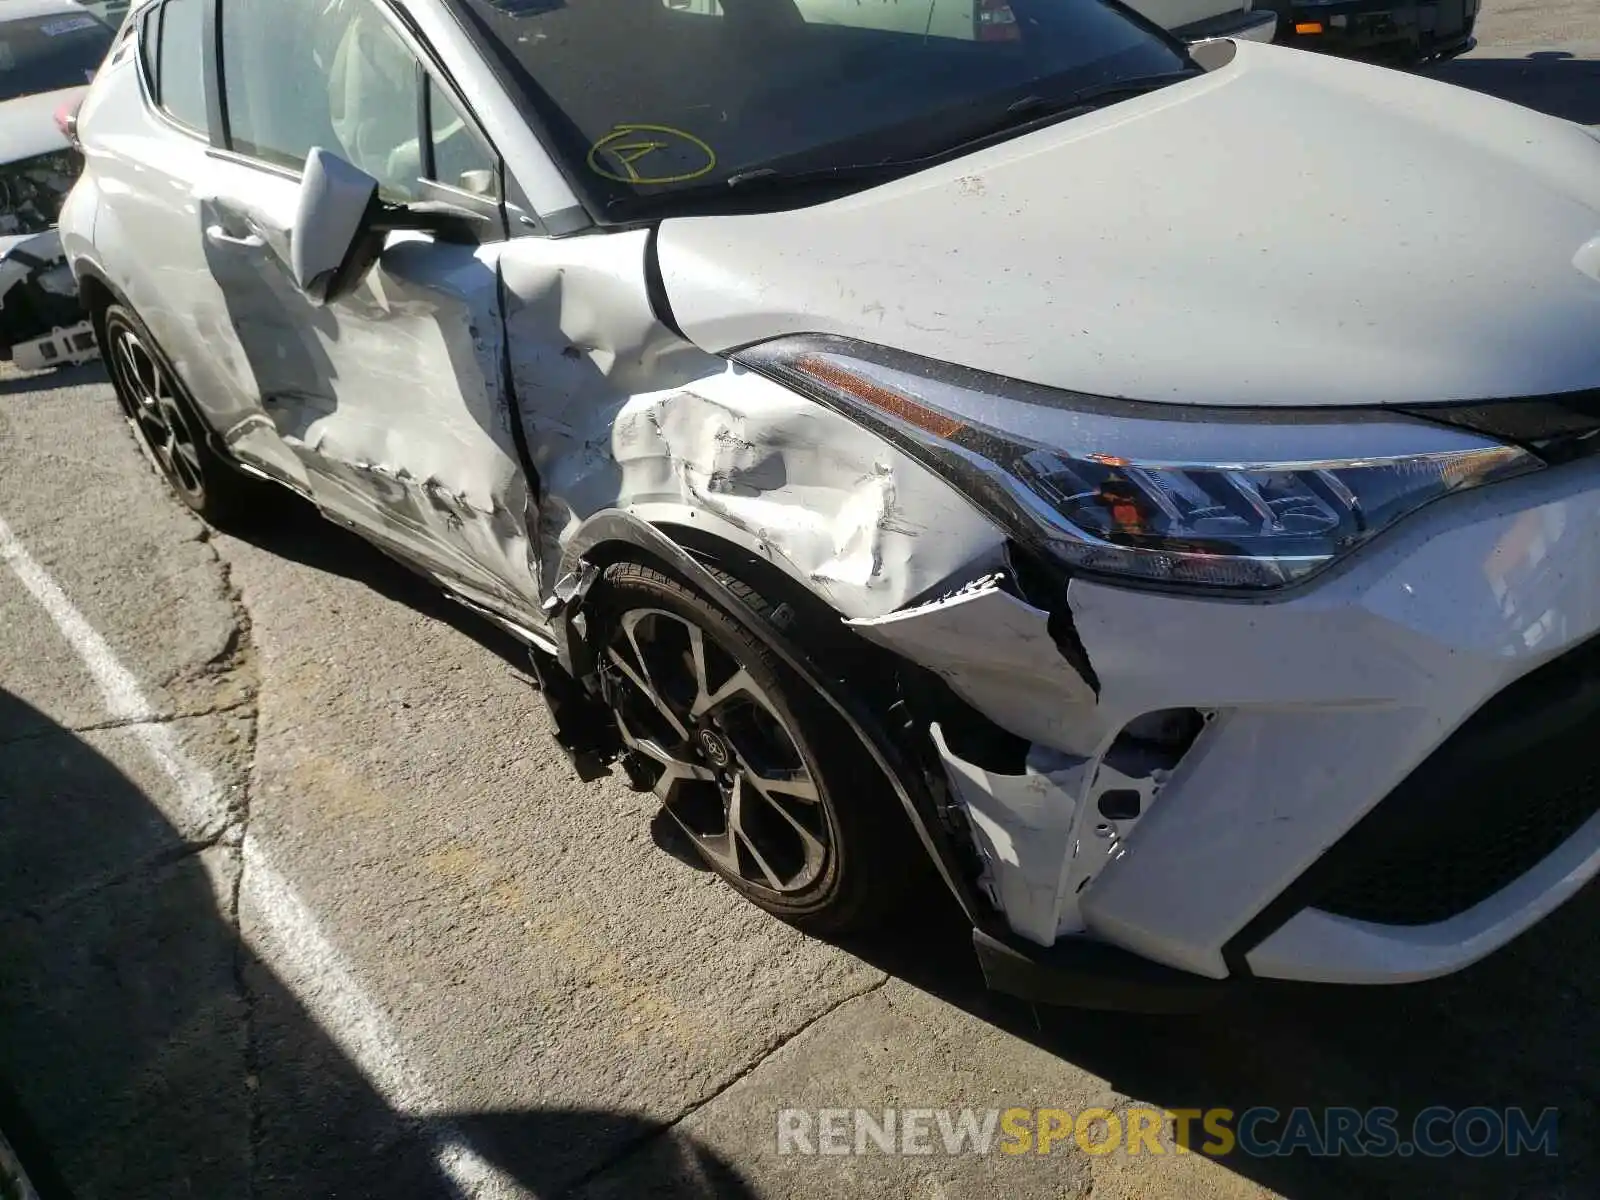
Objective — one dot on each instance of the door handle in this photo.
(222, 237)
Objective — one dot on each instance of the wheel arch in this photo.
(728, 550)
(701, 560)
(97, 293)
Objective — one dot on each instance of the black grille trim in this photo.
(1500, 795)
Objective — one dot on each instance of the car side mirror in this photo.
(335, 239)
(340, 226)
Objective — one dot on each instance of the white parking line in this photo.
(202, 809)
(310, 966)
(289, 938)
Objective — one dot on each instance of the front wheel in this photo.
(773, 791)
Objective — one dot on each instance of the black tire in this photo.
(167, 425)
(873, 861)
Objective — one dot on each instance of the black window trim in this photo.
(149, 76)
(425, 121)
(150, 27)
(429, 67)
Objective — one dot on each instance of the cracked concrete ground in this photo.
(392, 925)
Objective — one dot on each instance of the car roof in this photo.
(19, 10)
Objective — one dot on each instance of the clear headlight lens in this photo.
(1210, 497)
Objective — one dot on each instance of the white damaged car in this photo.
(49, 50)
(1034, 455)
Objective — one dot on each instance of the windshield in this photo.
(45, 54)
(650, 99)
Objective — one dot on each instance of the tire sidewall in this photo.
(789, 695)
(213, 501)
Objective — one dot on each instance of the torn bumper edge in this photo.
(1041, 833)
(42, 324)
(1029, 825)
(1075, 971)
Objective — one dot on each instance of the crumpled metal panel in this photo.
(1023, 827)
(620, 412)
(995, 651)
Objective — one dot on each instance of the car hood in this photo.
(1290, 229)
(28, 124)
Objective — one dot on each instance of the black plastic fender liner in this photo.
(615, 527)
(33, 301)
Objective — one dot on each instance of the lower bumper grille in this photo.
(1501, 794)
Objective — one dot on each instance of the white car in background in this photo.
(1030, 455)
(1198, 20)
(112, 12)
(49, 51)
(994, 20)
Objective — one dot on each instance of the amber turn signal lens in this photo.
(884, 399)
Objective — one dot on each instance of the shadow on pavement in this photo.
(145, 1051)
(1521, 1029)
(294, 530)
(18, 384)
(1551, 81)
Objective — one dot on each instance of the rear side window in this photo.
(45, 54)
(172, 42)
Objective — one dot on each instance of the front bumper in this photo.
(1406, 29)
(1321, 707)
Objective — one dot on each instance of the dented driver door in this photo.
(392, 396)
(394, 399)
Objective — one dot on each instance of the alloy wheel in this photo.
(150, 401)
(714, 747)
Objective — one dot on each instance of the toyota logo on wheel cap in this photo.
(715, 748)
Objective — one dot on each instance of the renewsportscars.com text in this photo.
(1263, 1132)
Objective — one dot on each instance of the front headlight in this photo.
(1212, 497)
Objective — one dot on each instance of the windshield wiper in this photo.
(1031, 111)
(746, 184)
(1039, 109)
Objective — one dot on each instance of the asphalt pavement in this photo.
(298, 900)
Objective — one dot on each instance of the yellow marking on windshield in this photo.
(634, 145)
